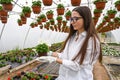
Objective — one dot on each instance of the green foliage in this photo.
(56, 46)
(36, 3)
(42, 16)
(19, 20)
(97, 11)
(60, 6)
(68, 13)
(59, 17)
(52, 20)
(106, 50)
(117, 2)
(42, 48)
(1, 8)
(111, 11)
(5, 1)
(99, 1)
(26, 9)
(49, 12)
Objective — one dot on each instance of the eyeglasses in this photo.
(74, 19)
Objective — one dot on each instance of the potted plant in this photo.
(75, 2)
(107, 18)
(116, 19)
(19, 22)
(100, 4)
(60, 9)
(64, 22)
(42, 49)
(97, 12)
(49, 14)
(68, 15)
(7, 4)
(43, 17)
(47, 2)
(23, 18)
(111, 13)
(32, 25)
(52, 21)
(39, 21)
(36, 7)
(27, 11)
(59, 19)
(117, 5)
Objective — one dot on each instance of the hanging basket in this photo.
(111, 15)
(8, 7)
(75, 2)
(50, 16)
(100, 5)
(118, 7)
(47, 2)
(67, 17)
(36, 9)
(60, 11)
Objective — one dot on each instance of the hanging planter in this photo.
(36, 7)
(75, 2)
(43, 17)
(60, 9)
(32, 25)
(68, 15)
(55, 27)
(7, 5)
(49, 14)
(100, 4)
(59, 19)
(19, 22)
(64, 22)
(111, 13)
(4, 19)
(117, 5)
(52, 21)
(116, 19)
(47, 2)
(23, 18)
(107, 18)
(27, 11)
(39, 21)
(97, 12)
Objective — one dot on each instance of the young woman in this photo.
(81, 49)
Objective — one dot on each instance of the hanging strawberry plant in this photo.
(49, 14)
(47, 2)
(7, 4)
(60, 9)
(75, 2)
(117, 5)
(100, 4)
(27, 11)
(36, 7)
(68, 15)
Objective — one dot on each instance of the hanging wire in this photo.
(2, 31)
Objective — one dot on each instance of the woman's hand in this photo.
(55, 54)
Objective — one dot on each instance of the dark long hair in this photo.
(89, 27)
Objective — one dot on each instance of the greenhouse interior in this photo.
(31, 27)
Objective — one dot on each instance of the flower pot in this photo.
(75, 2)
(60, 11)
(50, 16)
(8, 7)
(118, 7)
(67, 17)
(111, 15)
(100, 5)
(36, 9)
(47, 2)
